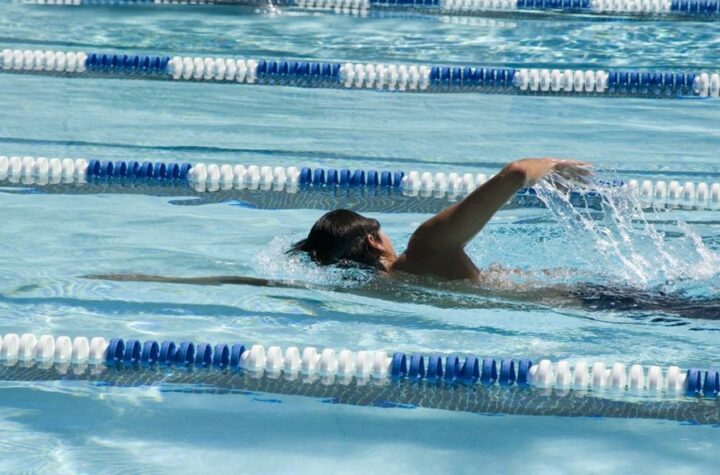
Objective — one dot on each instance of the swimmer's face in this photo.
(382, 243)
(387, 243)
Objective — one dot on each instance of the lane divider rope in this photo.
(28, 349)
(375, 76)
(213, 177)
(640, 8)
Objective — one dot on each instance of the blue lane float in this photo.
(637, 8)
(150, 352)
(133, 169)
(369, 76)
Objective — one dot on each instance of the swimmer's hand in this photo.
(535, 169)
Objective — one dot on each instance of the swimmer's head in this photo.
(344, 237)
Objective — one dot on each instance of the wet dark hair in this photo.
(339, 237)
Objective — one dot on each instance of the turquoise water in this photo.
(49, 240)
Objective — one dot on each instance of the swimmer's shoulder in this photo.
(449, 265)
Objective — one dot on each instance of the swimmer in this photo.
(436, 248)
(435, 256)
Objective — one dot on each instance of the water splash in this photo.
(274, 261)
(270, 9)
(620, 238)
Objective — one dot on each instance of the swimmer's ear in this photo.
(375, 242)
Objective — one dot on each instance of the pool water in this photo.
(50, 240)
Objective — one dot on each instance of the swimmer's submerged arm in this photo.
(456, 225)
(210, 280)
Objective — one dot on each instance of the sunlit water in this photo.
(50, 240)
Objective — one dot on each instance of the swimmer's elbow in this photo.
(516, 170)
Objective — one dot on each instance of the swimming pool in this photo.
(51, 237)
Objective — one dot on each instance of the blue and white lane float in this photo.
(647, 8)
(202, 177)
(29, 349)
(370, 76)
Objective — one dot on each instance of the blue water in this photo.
(49, 240)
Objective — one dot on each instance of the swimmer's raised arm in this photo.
(456, 225)
(437, 246)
